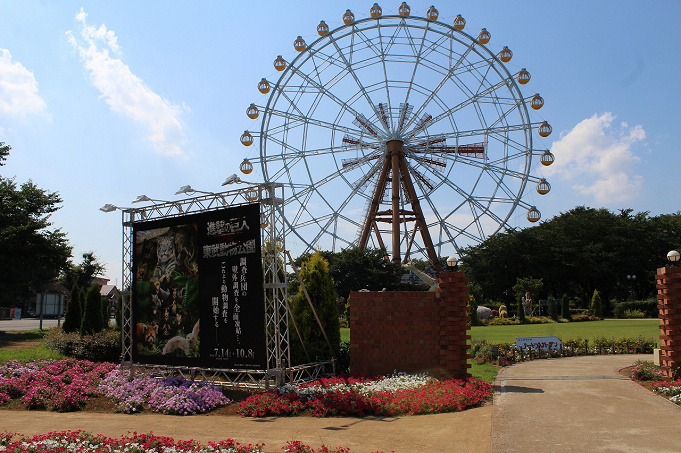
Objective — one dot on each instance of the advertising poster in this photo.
(198, 291)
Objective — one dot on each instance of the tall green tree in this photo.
(565, 308)
(596, 306)
(72, 317)
(317, 281)
(83, 273)
(33, 253)
(92, 312)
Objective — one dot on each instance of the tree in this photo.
(521, 310)
(565, 308)
(72, 317)
(528, 284)
(32, 253)
(83, 273)
(353, 269)
(596, 307)
(574, 253)
(92, 312)
(4, 152)
(317, 281)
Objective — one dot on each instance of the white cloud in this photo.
(18, 88)
(123, 91)
(598, 159)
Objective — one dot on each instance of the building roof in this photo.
(108, 290)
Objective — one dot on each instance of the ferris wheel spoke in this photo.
(446, 77)
(477, 97)
(353, 74)
(311, 82)
(304, 119)
(441, 220)
(472, 200)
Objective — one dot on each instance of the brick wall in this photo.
(411, 331)
(669, 305)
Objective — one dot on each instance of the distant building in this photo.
(50, 301)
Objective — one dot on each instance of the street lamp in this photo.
(190, 190)
(452, 263)
(234, 179)
(108, 208)
(673, 257)
(142, 198)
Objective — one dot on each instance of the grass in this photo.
(345, 334)
(36, 350)
(611, 329)
(485, 371)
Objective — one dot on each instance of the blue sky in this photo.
(105, 101)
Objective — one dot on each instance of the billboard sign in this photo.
(198, 290)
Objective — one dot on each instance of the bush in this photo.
(104, 346)
(646, 371)
(634, 314)
(648, 307)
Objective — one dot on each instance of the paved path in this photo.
(578, 404)
(581, 404)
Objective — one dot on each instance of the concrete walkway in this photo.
(581, 404)
(578, 404)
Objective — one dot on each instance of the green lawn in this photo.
(610, 328)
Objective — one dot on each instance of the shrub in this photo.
(596, 305)
(648, 307)
(92, 312)
(583, 317)
(315, 276)
(634, 314)
(565, 307)
(646, 371)
(72, 317)
(104, 346)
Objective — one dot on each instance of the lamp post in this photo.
(452, 263)
(673, 256)
(632, 279)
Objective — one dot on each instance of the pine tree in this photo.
(72, 317)
(315, 276)
(473, 311)
(92, 312)
(521, 310)
(596, 306)
(565, 308)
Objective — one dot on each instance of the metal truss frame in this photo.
(273, 231)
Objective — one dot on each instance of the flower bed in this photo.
(82, 442)
(671, 390)
(61, 386)
(399, 394)
(66, 385)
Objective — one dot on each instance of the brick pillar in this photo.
(454, 352)
(669, 305)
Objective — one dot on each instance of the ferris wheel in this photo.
(399, 132)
